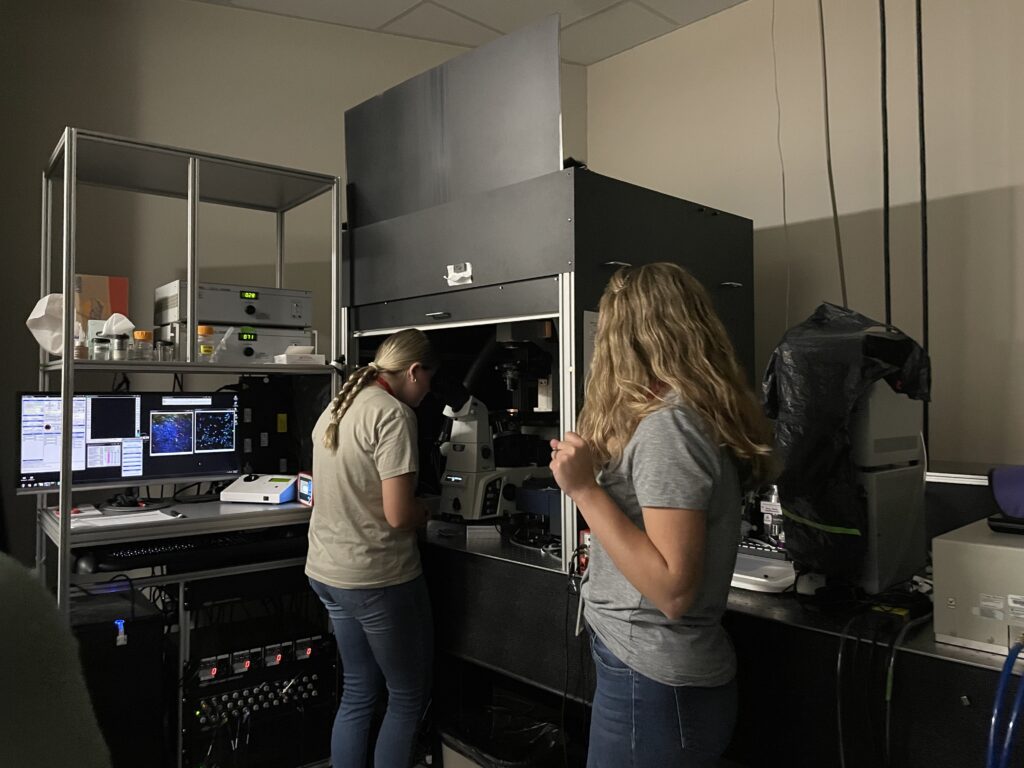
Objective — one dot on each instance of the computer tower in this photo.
(120, 642)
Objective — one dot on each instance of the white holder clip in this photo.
(459, 274)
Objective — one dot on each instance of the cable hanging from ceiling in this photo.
(924, 193)
(782, 166)
(828, 158)
(886, 239)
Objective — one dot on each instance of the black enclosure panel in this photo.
(787, 680)
(486, 119)
(620, 222)
(508, 617)
(514, 233)
(494, 302)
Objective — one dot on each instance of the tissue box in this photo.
(97, 297)
(299, 358)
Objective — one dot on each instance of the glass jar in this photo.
(81, 350)
(204, 343)
(100, 348)
(164, 351)
(142, 348)
(119, 347)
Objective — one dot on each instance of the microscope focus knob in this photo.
(485, 451)
(508, 492)
(446, 448)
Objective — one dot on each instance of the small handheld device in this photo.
(261, 489)
(305, 488)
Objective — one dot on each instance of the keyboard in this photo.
(190, 553)
(761, 549)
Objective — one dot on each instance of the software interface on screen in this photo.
(133, 438)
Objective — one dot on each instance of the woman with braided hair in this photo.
(363, 562)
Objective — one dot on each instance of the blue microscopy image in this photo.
(170, 432)
(215, 431)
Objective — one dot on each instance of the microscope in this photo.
(479, 482)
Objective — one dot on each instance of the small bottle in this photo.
(81, 349)
(142, 349)
(772, 516)
(100, 348)
(204, 343)
(164, 351)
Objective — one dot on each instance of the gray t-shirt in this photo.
(670, 462)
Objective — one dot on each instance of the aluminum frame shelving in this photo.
(98, 159)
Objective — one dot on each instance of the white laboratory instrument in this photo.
(261, 489)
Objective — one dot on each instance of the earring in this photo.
(413, 379)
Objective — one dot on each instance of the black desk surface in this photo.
(519, 621)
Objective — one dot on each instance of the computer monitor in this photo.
(123, 438)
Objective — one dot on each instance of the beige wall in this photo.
(694, 114)
(194, 75)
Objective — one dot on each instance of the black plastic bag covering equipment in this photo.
(814, 378)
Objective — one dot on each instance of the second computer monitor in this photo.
(130, 438)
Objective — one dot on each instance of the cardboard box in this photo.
(97, 297)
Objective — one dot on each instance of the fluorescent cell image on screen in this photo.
(170, 432)
(215, 431)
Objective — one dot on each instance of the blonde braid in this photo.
(343, 400)
(396, 353)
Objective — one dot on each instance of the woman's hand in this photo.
(572, 465)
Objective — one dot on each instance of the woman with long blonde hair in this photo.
(363, 560)
(673, 434)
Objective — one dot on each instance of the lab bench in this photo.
(515, 621)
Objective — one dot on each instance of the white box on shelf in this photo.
(299, 358)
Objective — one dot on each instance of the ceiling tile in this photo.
(508, 15)
(685, 12)
(351, 13)
(431, 22)
(617, 29)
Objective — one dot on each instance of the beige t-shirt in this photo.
(351, 544)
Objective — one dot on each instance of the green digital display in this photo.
(253, 295)
(247, 336)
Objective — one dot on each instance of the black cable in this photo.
(887, 268)
(839, 687)
(924, 198)
(890, 680)
(122, 384)
(131, 586)
(853, 693)
(570, 590)
(782, 162)
(565, 682)
(828, 158)
(872, 713)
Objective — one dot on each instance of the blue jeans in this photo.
(637, 722)
(384, 635)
